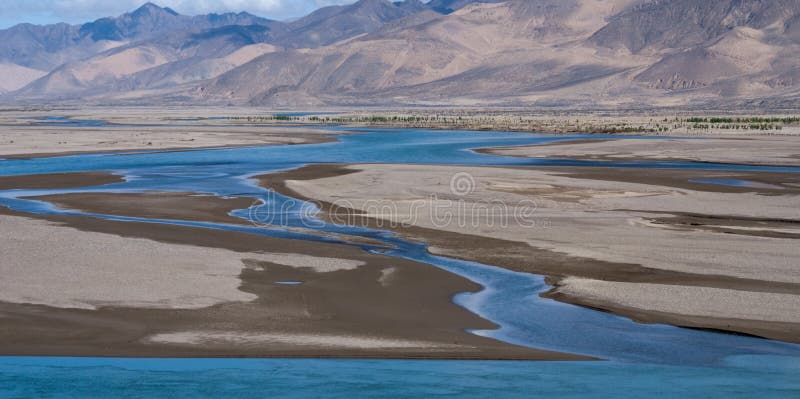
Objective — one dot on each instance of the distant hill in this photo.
(450, 6)
(46, 47)
(548, 53)
(332, 24)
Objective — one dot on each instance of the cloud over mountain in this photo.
(75, 11)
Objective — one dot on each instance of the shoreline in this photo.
(31, 142)
(58, 180)
(154, 129)
(761, 329)
(185, 206)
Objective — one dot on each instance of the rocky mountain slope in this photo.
(574, 53)
(332, 24)
(49, 48)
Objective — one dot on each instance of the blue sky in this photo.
(13, 12)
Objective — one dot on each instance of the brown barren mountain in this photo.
(579, 53)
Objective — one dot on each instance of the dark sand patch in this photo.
(758, 227)
(551, 144)
(683, 178)
(58, 180)
(155, 205)
(624, 156)
(174, 206)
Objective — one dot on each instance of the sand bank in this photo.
(601, 229)
(759, 314)
(46, 264)
(764, 150)
(681, 299)
(57, 180)
(87, 287)
(39, 141)
(155, 205)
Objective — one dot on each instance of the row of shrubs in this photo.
(698, 123)
(755, 126)
(746, 120)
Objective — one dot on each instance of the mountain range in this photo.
(545, 53)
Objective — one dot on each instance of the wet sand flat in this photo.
(155, 205)
(57, 180)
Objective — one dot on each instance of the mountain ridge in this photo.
(497, 53)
